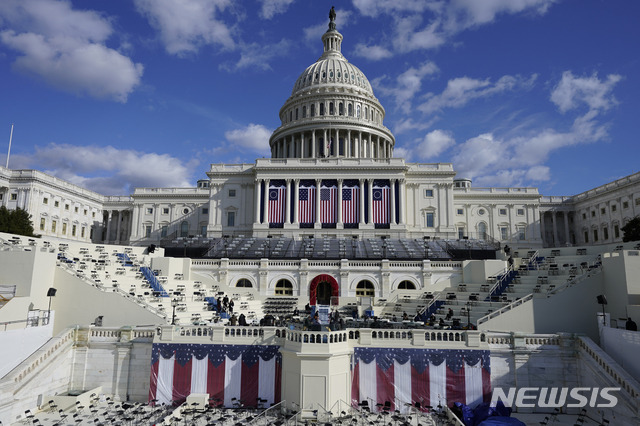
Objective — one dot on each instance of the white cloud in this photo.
(66, 48)
(410, 37)
(408, 124)
(257, 55)
(312, 34)
(373, 53)
(270, 8)
(434, 143)
(460, 91)
(186, 25)
(254, 137)
(572, 91)
(108, 170)
(468, 13)
(407, 84)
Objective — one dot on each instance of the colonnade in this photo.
(292, 185)
(554, 225)
(313, 144)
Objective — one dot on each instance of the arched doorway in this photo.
(322, 289)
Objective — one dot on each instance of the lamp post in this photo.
(468, 315)
(174, 303)
(50, 293)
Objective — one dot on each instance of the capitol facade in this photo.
(332, 172)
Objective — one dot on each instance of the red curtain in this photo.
(313, 288)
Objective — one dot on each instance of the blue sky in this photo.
(113, 95)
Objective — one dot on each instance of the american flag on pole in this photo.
(328, 203)
(350, 204)
(276, 203)
(329, 143)
(428, 376)
(307, 204)
(380, 204)
(230, 373)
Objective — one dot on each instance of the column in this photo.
(348, 144)
(324, 146)
(265, 205)
(313, 144)
(542, 230)
(401, 202)
(566, 226)
(256, 190)
(555, 228)
(118, 226)
(318, 183)
(106, 237)
(339, 218)
(392, 206)
(370, 203)
(296, 193)
(287, 203)
(361, 201)
(359, 147)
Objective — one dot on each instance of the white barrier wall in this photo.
(23, 342)
(623, 346)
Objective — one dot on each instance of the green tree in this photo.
(632, 230)
(16, 221)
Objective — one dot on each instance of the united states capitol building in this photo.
(107, 303)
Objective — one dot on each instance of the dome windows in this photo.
(340, 109)
(304, 111)
(350, 110)
(331, 108)
(324, 74)
(313, 110)
(330, 74)
(358, 111)
(321, 112)
(296, 113)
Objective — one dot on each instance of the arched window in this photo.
(365, 288)
(358, 111)
(406, 285)
(284, 288)
(290, 116)
(313, 110)
(482, 231)
(350, 110)
(340, 109)
(184, 229)
(304, 111)
(330, 108)
(243, 282)
(296, 113)
(322, 109)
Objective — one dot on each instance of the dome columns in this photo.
(332, 143)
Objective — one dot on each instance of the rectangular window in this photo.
(584, 216)
(460, 212)
(595, 235)
(232, 193)
(502, 212)
(616, 231)
(625, 204)
(504, 233)
(14, 196)
(73, 230)
(586, 237)
(231, 219)
(64, 229)
(522, 235)
(147, 231)
(85, 212)
(520, 212)
(428, 193)
(42, 223)
(56, 204)
(203, 230)
(149, 210)
(614, 208)
(1, 196)
(165, 210)
(45, 200)
(460, 233)
(603, 210)
(430, 219)
(637, 201)
(205, 210)
(66, 206)
(93, 214)
(53, 226)
(82, 232)
(605, 233)
(76, 210)
(163, 231)
(593, 213)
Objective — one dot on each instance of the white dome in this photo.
(333, 71)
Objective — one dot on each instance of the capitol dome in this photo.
(332, 111)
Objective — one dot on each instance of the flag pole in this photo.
(9, 152)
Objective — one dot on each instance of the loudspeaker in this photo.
(151, 248)
(602, 299)
(51, 292)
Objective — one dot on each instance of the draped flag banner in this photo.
(231, 374)
(276, 204)
(350, 204)
(328, 202)
(307, 204)
(401, 377)
(380, 204)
